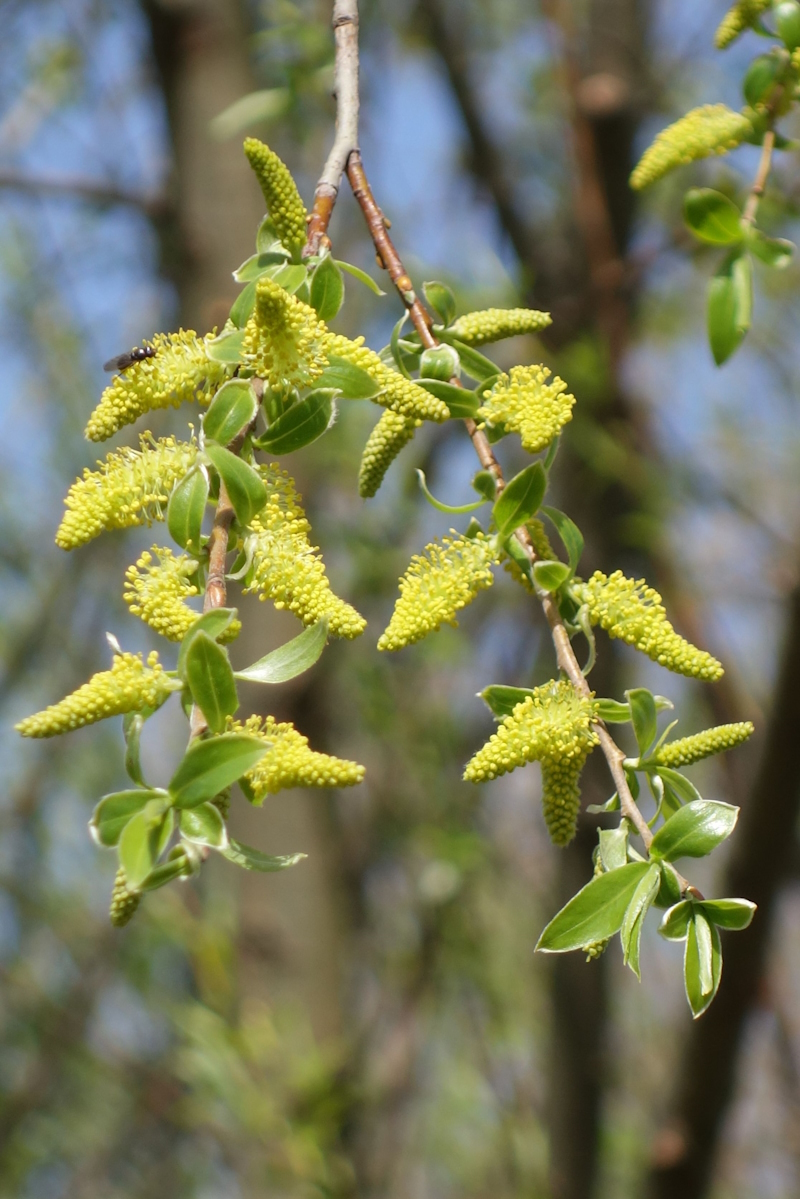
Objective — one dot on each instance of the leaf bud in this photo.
(440, 362)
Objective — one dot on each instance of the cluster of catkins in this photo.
(269, 381)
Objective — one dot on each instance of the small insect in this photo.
(123, 361)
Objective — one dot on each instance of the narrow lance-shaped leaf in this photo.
(596, 912)
(569, 533)
(550, 575)
(503, 700)
(246, 491)
(520, 499)
(143, 840)
(210, 766)
(204, 825)
(232, 409)
(303, 423)
(694, 830)
(211, 681)
(632, 924)
(712, 217)
(702, 963)
(114, 811)
(254, 859)
(186, 509)
(132, 725)
(728, 913)
(289, 660)
(460, 401)
(644, 716)
(441, 300)
(327, 289)
(730, 304)
(362, 276)
(352, 382)
(213, 623)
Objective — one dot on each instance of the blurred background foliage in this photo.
(373, 1022)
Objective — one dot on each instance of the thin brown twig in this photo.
(760, 181)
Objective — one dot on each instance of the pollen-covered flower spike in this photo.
(740, 16)
(179, 371)
(493, 324)
(439, 582)
(629, 609)
(554, 727)
(157, 590)
(284, 338)
(131, 488)
(123, 902)
(290, 762)
(401, 395)
(384, 443)
(686, 750)
(284, 205)
(129, 686)
(712, 129)
(527, 404)
(286, 568)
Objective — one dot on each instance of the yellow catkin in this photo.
(712, 129)
(284, 338)
(493, 324)
(686, 750)
(554, 727)
(384, 443)
(123, 902)
(284, 205)
(544, 551)
(157, 592)
(129, 686)
(439, 582)
(181, 371)
(131, 488)
(525, 403)
(629, 609)
(291, 763)
(398, 393)
(740, 16)
(286, 568)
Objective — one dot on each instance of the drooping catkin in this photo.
(687, 750)
(290, 762)
(629, 609)
(123, 902)
(284, 204)
(740, 16)
(398, 393)
(494, 324)
(157, 591)
(712, 129)
(439, 582)
(384, 443)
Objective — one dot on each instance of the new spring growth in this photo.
(740, 16)
(525, 403)
(180, 371)
(123, 902)
(712, 129)
(286, 568)
(284, 204)
(157, 589)
(632, 611)
(438, 583)
(493, 324)
(384, 443)
(544, 551)
(686, 750)
(398, 393)
(284, 338)
(131, 488)
(291, 763)
(129, 686)
(554, 727)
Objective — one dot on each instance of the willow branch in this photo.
(345, 88)
(760, 181)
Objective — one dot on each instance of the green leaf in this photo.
(517, 552)
(177, 865)
(633, 923)
(596, 912)
(254, 267)
(263, 105)
(477, 366)
(398, 355)
(267, 238)
(611, 711)
(114, 811)
(551, 575)
(702, 963)
(787, 20)
(211, 682)
(228, 347)
(669, 892)
(290, 659)
(204, 825)
(242, 307)
(675, 921)
(351, 381)
(569, 533)
(695, 830)
(644, 717)
(186, 509)
(441, 300)
(232, 409)
(440, 362)
(730, 305)
(613, 847)
(213, 623)
(461, 402)
(684, 790)
(728, 913)
(143, 840)
(485, 484)
(254, 859)
(132, 725)
(520, 499)
(362, 276)
(327, 289)
(762, 76)
(503, 700)
(208, 767)
(247, 493)
(291, 277)
(453, 509)
(303, 423)
(774, 251)
(712, 217)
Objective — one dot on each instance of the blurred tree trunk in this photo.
(287, 925)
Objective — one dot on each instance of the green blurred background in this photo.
(373, 1023)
